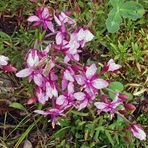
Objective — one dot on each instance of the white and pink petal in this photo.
(33, 18)
(91, 70)
(24, 73)
(60, 100)
(80, 79)
(100, 83)
(79, 96)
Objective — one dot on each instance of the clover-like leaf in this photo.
(132, 10)
(117, 3)
(113, 21)
(115, 86)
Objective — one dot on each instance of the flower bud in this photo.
(32, 100)
(129, 106)
(126, 138)
(104, 98)
(94, 1)
(122, 111)
(77, 8)
(123, 97)
(9, 68)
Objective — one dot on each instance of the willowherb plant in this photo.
(62, 80)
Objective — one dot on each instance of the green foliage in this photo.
(3, 37)
(17, 106)
(23, 136)
(130, 9)
(90, 132)
(14, 5)
(115, 86)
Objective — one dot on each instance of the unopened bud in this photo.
(129, 106)
(32, 100)
(9, 68)
(123, 97)
(126, 138)
(122, 111)
(77, 8)
(104, 98)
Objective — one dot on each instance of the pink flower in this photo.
(90, 80)
(109, 106)
(33, 59)
(68, 76)
(72, 49)
(111, 66)
(82, 100)
(84, 36)
(138, 132)
(77, 39)
(54, 113)
(41, 95)
(42, 17)
(67, 98)
(63, 19)
(51, 89)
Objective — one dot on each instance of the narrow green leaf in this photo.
(79, 113)
(61, 132)
(109, 137)
(18, 106)
(26, 132)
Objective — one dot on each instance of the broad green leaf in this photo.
(18, 106)
(117, 3)
(132, 10)
(115, 86)
(113, 21)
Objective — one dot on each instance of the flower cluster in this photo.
(61, 81)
